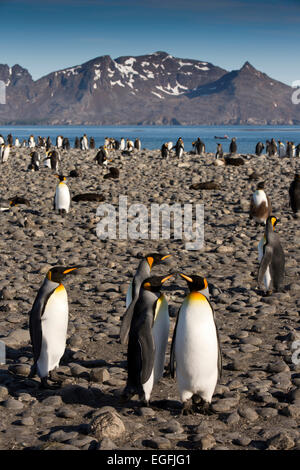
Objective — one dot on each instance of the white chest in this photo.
(54, 324)
(259, 196)
(62, 197)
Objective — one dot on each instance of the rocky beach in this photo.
(257, 400)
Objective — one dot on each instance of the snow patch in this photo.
(201, 68)
(130, 61)
(157, 94)
(97, 75)
(184, 63)
(118, 82)
(168, 57)
(126, 69)
(173, 90)
(149, 74)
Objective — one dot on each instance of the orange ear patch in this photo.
(150, 261)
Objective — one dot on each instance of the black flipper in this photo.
(140, 357)
(127, 318)
(147, 346)
(126, 322)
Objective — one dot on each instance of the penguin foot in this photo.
(268, 293)
(127, 394)
(206, 409)
(32, 372)
(196, 399)
(187, 409)
(46, 386)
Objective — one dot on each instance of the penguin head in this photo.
(195, 283)
(154, 283)
(297, 176)
(57, 273)
(61, 178)
(273, 221)
(155, 258)
(261, 185)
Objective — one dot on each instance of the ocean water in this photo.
(152, 137)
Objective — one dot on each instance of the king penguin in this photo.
(6, 152)
(233, 146)
(195, 350)
(122, 144)
(62, 196)
(259, 148)
(271, 268)
(59, 141)
(260, 204)
(53, 157)
(148, 339)
(142, 273)
(35, 162)
(179, 147)
(137, 144)
(294, 192)
(199, 146)
(281, 149)
(31, 142)
(164, 151)
(48, 323)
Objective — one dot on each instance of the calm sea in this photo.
(152, 137)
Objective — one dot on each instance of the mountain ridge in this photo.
(151, 89)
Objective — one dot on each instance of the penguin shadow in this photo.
(71, 393)
(14, 381)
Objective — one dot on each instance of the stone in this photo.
(99, 375)
(282, 441)
(224, 404)
(12, 404)
(107, 444)
(158, 443)
(16, 338)
(248, 413)
(109, 425)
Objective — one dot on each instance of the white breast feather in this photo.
(54, 324)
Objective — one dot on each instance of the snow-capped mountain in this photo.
(150, 89)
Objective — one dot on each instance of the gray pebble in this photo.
(158, 443)
(12, 404)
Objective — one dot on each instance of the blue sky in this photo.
(44, 36)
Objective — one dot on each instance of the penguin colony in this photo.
(196, 358)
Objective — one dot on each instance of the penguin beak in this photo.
(166, 278)
(68, 270)
(165, 257)
(188, 279)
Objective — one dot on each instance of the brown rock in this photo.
(109, 425)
